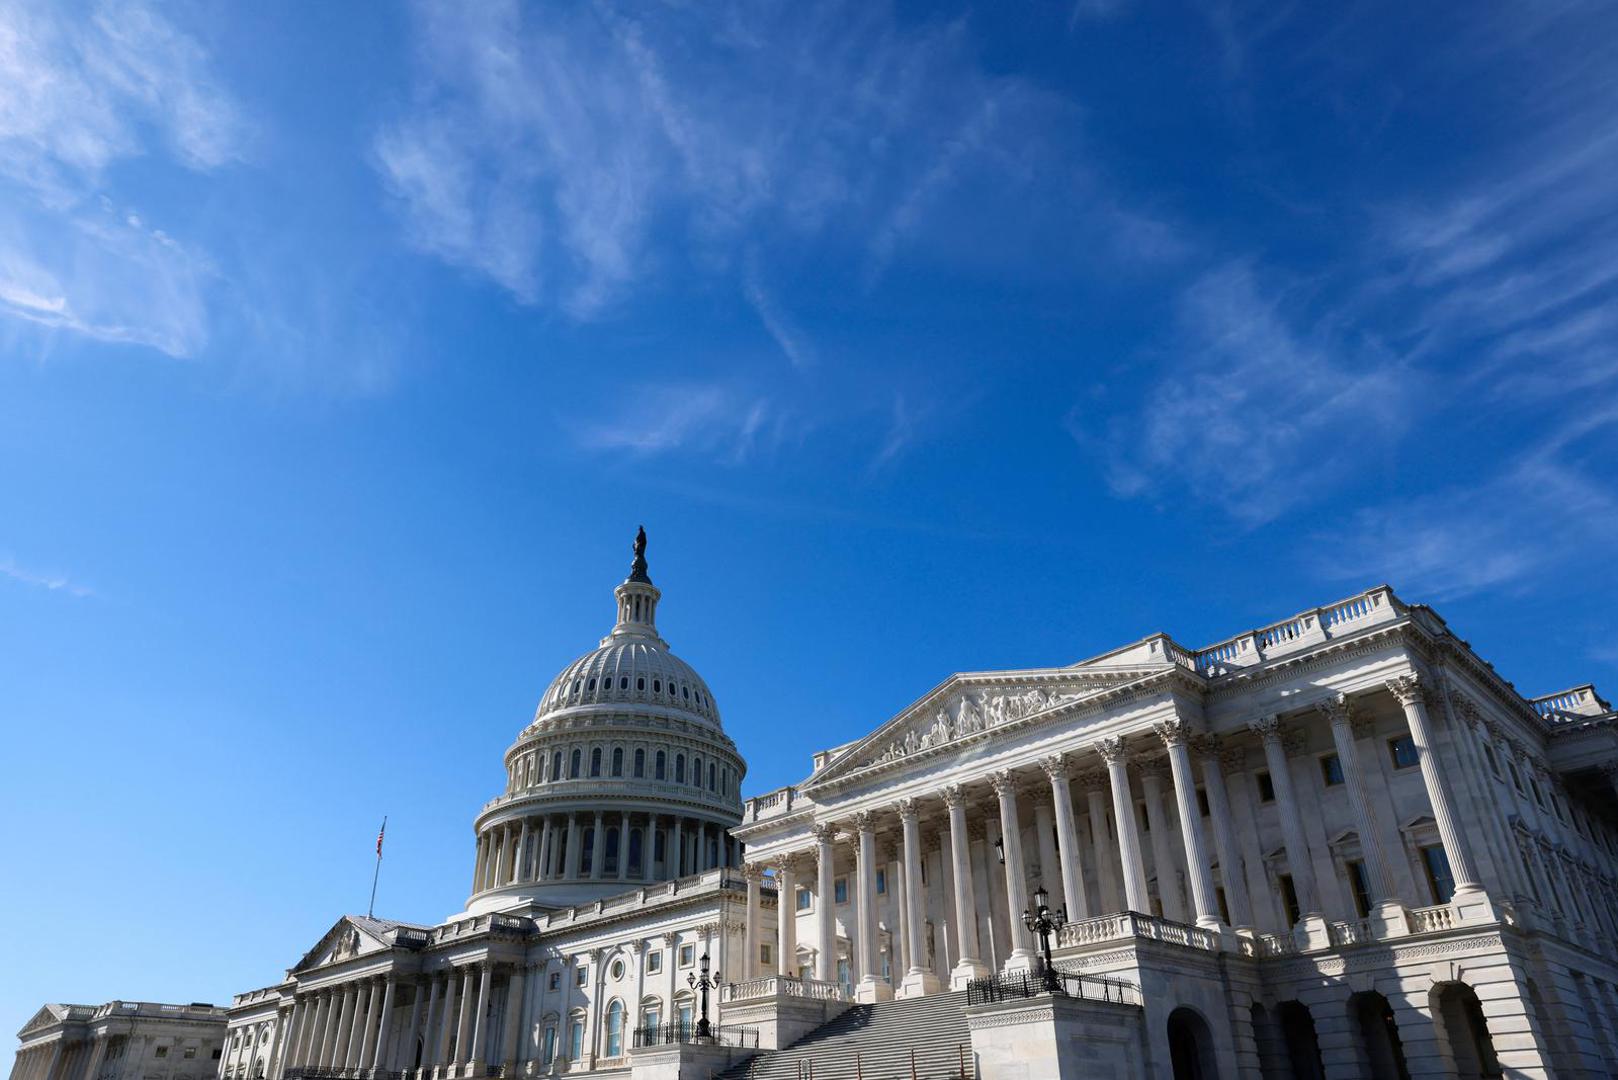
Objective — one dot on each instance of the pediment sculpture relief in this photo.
(972, 713)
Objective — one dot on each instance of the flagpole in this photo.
(371, 908)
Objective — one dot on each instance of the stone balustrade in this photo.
(771, 986)
(1132, 924)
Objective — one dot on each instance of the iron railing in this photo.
(718, 1035)
(1011, 986)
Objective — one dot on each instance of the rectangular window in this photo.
(842, 973)
(685, 1015)
(162, 1051)
(216, 1053)
(549, 1054)
(881, 881)
(1289, 899)
(1402, 751)
(1439, 880)
(839, 890)
(804, 898)
(581, 976)
(1331, 770)
(764, 953)
(556, 980)
(1494, 762)
(1360, 885)
(190, 1052)
(1266, 787)
(650, 1019)
(654, 962)
(1202, 802)
(688, 955)
(575, 1040)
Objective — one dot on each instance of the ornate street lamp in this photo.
(704, 982)
(1041, 920)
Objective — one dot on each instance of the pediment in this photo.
(344, 941)
(968, 706)
(44, 1018)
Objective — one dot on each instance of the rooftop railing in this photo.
(1317, 624)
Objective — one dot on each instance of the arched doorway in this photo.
(1303, 1046)
(1191, 1046)
(1459, 1013)
(1271, 1046)
(1379, 1035)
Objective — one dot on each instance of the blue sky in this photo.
(342, 348)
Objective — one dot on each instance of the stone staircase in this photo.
(875, 1042)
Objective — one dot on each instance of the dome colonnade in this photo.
(625, 775)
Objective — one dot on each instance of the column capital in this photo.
(1336, 710)
(907, 810)
(1003, 782)
(1267, 728)
(1112, 750)
(1174, 732)
(955, 795)
(752, 872)
(865, 821)
(784, 864)
(1205, 744)
(1091, 778)
(1055, 766)
(825, 832)
(1408, 689)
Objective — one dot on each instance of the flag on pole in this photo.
(379, 834)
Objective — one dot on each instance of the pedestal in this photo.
(920, 984)
(873, 989)
(965, 971)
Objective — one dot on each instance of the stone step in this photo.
(875, 1042)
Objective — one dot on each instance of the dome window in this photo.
(617, 761)
(640, 763)
(685, 692)
(660, 767)
(556, 765)
(640, 683)
(679, 768)
(623, 683)
(657, 686)
(574, 764)
(696, 771)
(595, 761)
(591, 685)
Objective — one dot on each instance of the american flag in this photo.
(379, 834)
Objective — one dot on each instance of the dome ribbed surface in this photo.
(630, 672)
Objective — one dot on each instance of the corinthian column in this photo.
(1386, 911)
(872, 986)
(786, 918)
(825, 904)
(1176, 734)
(1268, 729)
(1067, 838)
(1469, 895)
(918, 980)
(970, 965)
(1230, 862)
(1022, 957)
(1136, 897)
(753, 874)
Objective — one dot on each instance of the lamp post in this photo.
(1041, 920)
(704, 982)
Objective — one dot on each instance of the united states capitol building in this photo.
(1342, 845)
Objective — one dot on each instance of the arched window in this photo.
(679, 768)
(724, 780)
(635, 857)
(651, 1012)
(575, 1037)
(595, 761)
(617, 761)
(556, 765)
(657, 686)
(573, 766)
(640, 683)
(711, 777)
(696, 771)
(615, 1029)
(614, 847)
(658, 768)
(640, 763)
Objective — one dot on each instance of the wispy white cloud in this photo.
(1258, 411)
(574, 155)
(9, 568)
(794, 343)
(715, 419)
(1544, 510)
(80, 91)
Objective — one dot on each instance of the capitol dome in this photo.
(624, 777)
